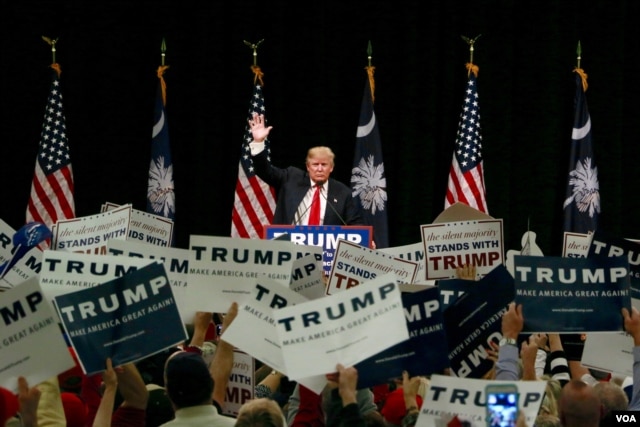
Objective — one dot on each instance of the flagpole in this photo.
(471, 42)
(254, 201)
(257, 72)
(163, 51)
(370, 69)
(52, 43)
(254, 46)
(161, 69)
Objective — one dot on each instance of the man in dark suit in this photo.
(296, 187)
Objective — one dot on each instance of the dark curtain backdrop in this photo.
(313, 57)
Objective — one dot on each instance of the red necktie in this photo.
(314, 213)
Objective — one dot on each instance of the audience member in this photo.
(29, 403)
(632, 326)
(75, 410)
(508, 365)
(412, 398)
(347, 406)
(579, 405)
(304, 408)
(104, 413)
(262, 412)
(196, 391)
(8, 405)
(612, 397)
(403, 400)
(159, 409)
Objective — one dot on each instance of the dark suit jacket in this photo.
(292, 184)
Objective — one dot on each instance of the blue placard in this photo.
(474, 320)
(126, 319)
(572, 295)
(605, 245)
(326, 236)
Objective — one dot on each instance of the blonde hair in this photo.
(260, 413)
(320, 151)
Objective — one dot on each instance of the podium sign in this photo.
(326, 236)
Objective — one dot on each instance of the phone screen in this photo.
(502, 409)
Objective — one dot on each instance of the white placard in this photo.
(465, 398)
(414, 253)
(307, 277)
(147, 227)
(609, 352)
(65, 272)
(242, 382)
(89, 234)
(576, 245)
(450, 245)
(6, 241)
(354, 264)
(257, 314)
(31, 343)
(25, 268)
(342, 328)
(220, 267)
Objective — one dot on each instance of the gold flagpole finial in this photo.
(51, 43)
(254, 46)
(163, 51)
(471, 42)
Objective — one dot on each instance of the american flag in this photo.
(254, 201)
(466, 176)
(51, 196)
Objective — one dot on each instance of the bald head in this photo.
(579, 405)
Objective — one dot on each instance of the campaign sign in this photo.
(572, 295)
(325, 236)
(466, 398)
(240, 388)
(31, 344)
(147, 227)
(604, 245)
(354, 264)
(307, 277)
(474, 320)
(26, 267)
(127, 319)
(257, 314)
(415, 253)
(450, 245)
(346, 327)
(6, 241)
(424, 353)
(65, 272)
(220, 268)
(176, 264)
(89, 234)
(576, 245)
(451, 289)
(609, 353)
